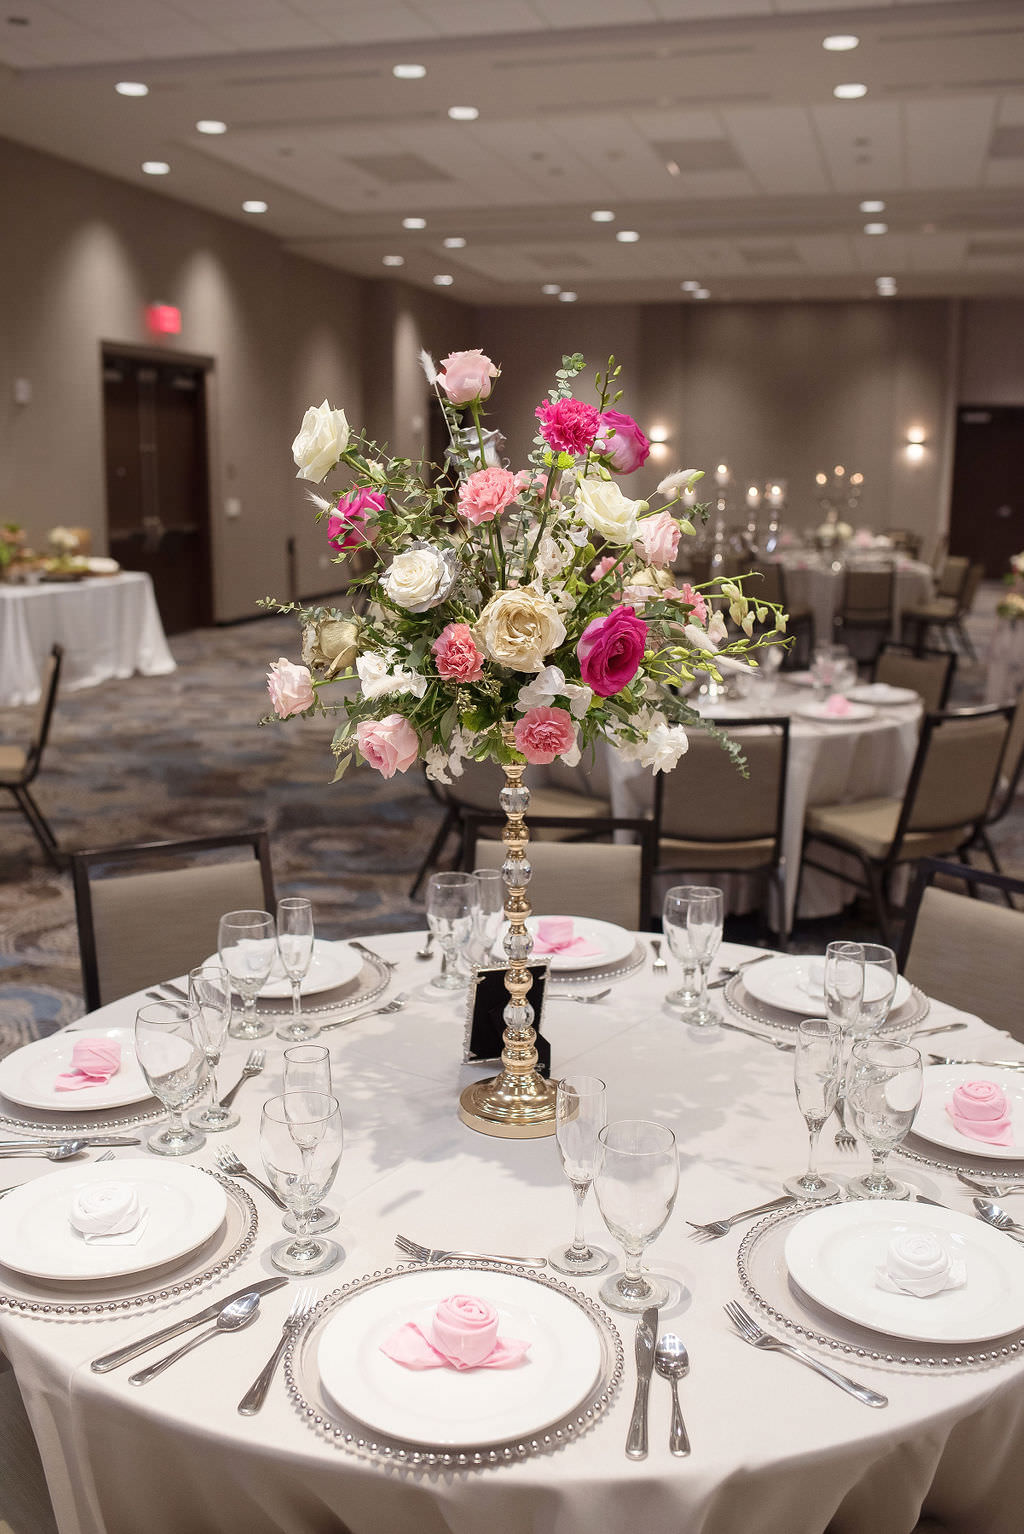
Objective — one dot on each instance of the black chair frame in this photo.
(24, 800)
(891, 647)
(975, 879)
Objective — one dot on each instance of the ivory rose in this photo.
(544, 733)
(621, 442)
(607, 511)
(323, 437)
(519, 628)
(420, 577)
(658, 540)
(466, 376)
(485, 494)
(457, 657)
(610, 650)
(290, 688)
(389, 745)
(350, 523)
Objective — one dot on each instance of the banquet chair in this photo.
(948, 612)
(600, 879)
(929, 673)
(966, 952)
(709, 817)
(150, 911)
(1011, 771)
(904, 541)
(19, 765)
(948, 792)
(866, 604)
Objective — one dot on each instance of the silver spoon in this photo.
(424, 952)
(233, 1317)
(673, 1363)
(994, 1215)
(62, 1152)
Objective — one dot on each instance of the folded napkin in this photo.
(918, 1262)
(837, 706)
(555, 935)
(109, 1214)
(93, 1061)
(980, 1110)
(463, 1335)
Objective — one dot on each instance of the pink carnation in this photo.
(389, 745)
(568, 425)
(610, 650)
(544, 733)
(349, 524)
(290, 688)
(602, 567)
(659, 537)
(466, 376)
(622, 442)
(696, 601)
(529, 479)
(458, 659)
(485, 494)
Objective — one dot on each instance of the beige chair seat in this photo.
(870, 825)
(13, 761)
(735, 857)
(596, 879)
(939, 610)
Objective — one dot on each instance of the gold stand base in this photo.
(494, 1107)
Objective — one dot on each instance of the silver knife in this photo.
(133, 1349)
(643, 1346)
(48, 1140)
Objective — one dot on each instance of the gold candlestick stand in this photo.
(518, 1104)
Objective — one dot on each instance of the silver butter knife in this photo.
(643, 1347)
(153, 1339)
(51, 1140)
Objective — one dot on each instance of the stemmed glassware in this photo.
(245, 942)
(451, 913)
(844, 984)
(636, 1182)
(489, 918)
(301, 1140)
(880, 976)
(173, 1061)
(816, 1069)
(295, 946)
(692, 922)
(884, 1093)
(209, 994)
(580, 1112)
(307, 1068)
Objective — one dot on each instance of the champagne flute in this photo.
(884, 1094)
(692, 922)
(307, 1068)
(580, 1111)
(173, 1061)
(844, 998)
(451, 910)
(245, 942)
(301, 1140)
(816, 1067)
(209, 993)
(295, 946)
(636, 1181)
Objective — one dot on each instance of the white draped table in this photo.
(776, 1449)
(1004, 674)
(109, 627)
(814, 581)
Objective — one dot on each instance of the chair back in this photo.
(972, 580)
(1011, 768)
(929, 673)
(939, 556)
(904, 541)
(709, 807)
(867, 596)
(44, 712)
(147, 913)
(954, 772)
(951, 577)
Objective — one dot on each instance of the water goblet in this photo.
(245, 942)
(884, 1093)
(489, 918)
(295, 946)
(692, 922)
(307, 1068)
(816, 1067)
(823, 669)
(636, 1181)
(173, 1061)
(580, 1112)
(880, 976)
(209, 994)
(301, 1140)
(451, 910)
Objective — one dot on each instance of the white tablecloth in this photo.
(1004, 675)
(109, 627)
(775, 1448)
(811, 581)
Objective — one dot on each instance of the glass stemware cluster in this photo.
(453, 904)
(692, 919)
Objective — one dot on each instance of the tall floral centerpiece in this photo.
(509, 616)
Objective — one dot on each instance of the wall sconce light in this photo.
(915, 444)
(658, 436)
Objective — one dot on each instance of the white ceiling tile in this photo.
(863, 144)
(939, 252)
(1010, 111)
(568, 13)
(471, 18)
(947, 142)
(710, 10)
(779, 147)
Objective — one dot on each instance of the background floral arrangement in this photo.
(1011, 603)
(543, 597)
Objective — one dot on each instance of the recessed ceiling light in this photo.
(876, 228)
(872, 206)
(840, 42)
(551, 289)
(690, 286)
(627, 236)
(567, 298)
(211, 125)
(702, 293)
(454, 242)
(414, 223)
(409, 71)
(849, 92)
(131, 88)
(394, 260)
(464, 114)
(443, 281)
(156, 167)
(884, 282)
(603, 216)
(672, 167)
(254, 205)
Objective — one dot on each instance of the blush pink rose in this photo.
(350, 524)
(389, 745)
(457, 657)
(602, 567)
(695, 600)
(610, 650)
(485, 494)
(466, 376)
(568, 425)
(659, 537)
(621, 442)
(290, 688)
(544, 733)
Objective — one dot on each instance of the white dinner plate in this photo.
(881, 693)
(27, 1076)
(185, 1207)
(615, 944)
(797, 678)
(795, 984)
(820, 714)
(447, 1408)
(332, 964)
(833, 1253)
(934, 1124)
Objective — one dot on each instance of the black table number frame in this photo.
(484, 1025)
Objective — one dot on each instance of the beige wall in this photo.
(992, 352)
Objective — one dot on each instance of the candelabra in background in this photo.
(838, 495)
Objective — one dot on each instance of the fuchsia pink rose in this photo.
(610, 650)
(544, 733)
(568, 425)
(621, 442)
(659, 539)
(389, 745)
(485, 494)
(457, 657)
(466, 376)
(350, 524)
(290, 688)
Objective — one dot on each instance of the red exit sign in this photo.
(163, 319)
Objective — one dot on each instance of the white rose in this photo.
(519, 628)
(420, 578)
(323, 437)
(664, 745)
(603, 507)
(379, 676)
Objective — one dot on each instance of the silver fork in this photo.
(659, 964)
(844, 1140)
(991, 1186)
(395, 1005)
(715, 1228)
(752, 1333)
(578, 996)
(764, 1037)
(256, 1394)
(253, 1066)
(371, 953)
(232, 1166)
(437, 1254)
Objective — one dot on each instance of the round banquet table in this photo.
(775, 1448)
(814, 581)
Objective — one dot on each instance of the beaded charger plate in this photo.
(912, 1012)
(553, 1405)
(602, 972)
(367, 985)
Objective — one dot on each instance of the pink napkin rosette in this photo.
(555, 935)
(463, 1335)
(93, 1062)
(980, 1110)
(837, 706)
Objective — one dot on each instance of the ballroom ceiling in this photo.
(707, 129)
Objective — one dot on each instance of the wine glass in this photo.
(884, 1094)
(880, 976)
(301, 1140)
(580, 1111)
(295, 945)
(245, 942)
(171, 1055)
(307, 1068)
(209, 994)
(489, 918)
(816, 1068)
(692, 922)
(451, 910)
(636, 1181)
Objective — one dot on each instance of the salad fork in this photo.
(252, 1067)
(843, 1139)
(715, 1228)
(256, 1394)
(660, 964)
(752, 1333)
(578, 995)
(437, 1254)
(395, 1005)
(232, 1166)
